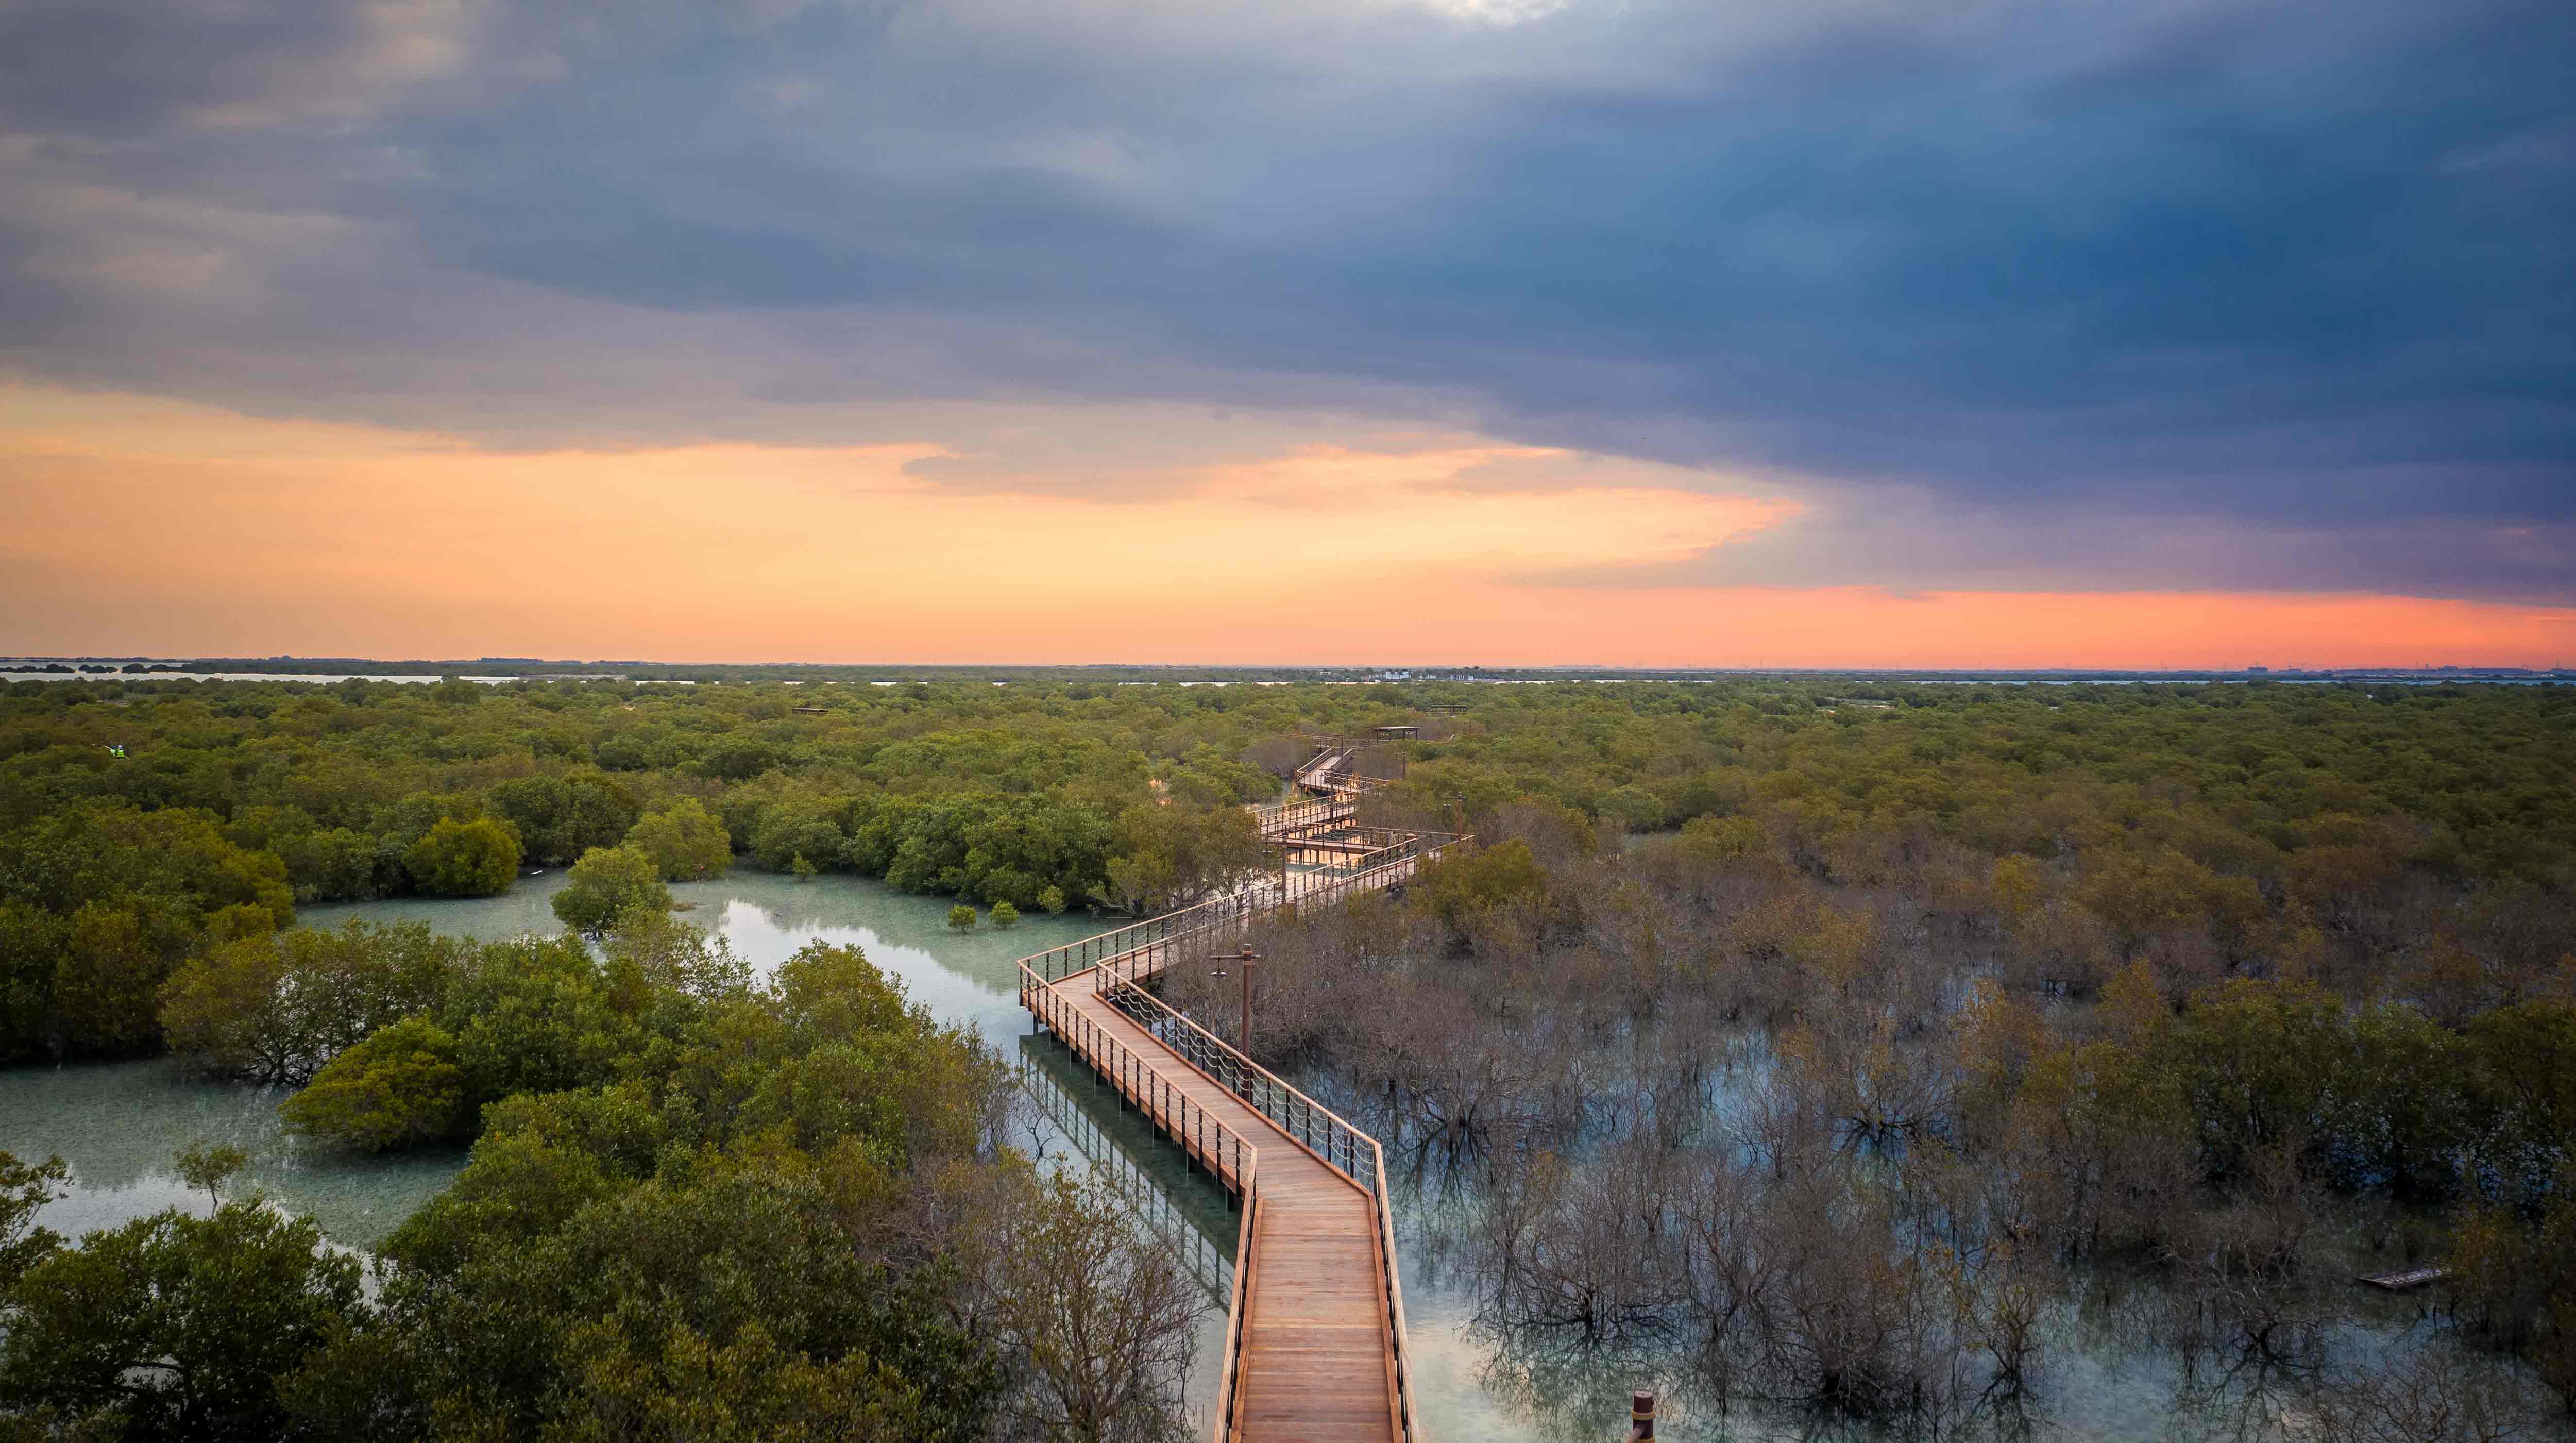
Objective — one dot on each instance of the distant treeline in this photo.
(704, 674)
(144, 822)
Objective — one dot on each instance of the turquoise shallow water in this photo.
(970, 978)
(118, 1123)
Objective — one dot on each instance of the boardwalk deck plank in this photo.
(1314, 1349)
(1316, 1360)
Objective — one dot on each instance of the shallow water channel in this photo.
(118, 1124)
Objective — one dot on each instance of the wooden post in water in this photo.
(1641, 1417)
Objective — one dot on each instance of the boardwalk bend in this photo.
(1314, 1336)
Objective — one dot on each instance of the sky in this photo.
(2164, 333)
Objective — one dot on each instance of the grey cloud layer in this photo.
(2282, 290)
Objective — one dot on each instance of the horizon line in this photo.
(1451, 670)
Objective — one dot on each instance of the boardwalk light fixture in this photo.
(1243, 961)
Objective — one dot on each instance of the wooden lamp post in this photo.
(1244, 960)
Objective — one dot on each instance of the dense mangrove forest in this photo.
(1844, 1057)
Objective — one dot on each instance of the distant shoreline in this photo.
(502, 670)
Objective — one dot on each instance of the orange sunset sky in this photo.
(144, 526)
(1647, 333)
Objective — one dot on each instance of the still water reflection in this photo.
(969, 978)
(118, 1124)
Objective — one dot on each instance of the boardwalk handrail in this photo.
(1147, 1197)
(1329, 771)
(1126, 951)
(1214, 924)
(1318, 1129)
(1112, 966)
(1207, 922)
(1238, 1311)
(1203, 1136)
(1304, 812)
(1057, 963)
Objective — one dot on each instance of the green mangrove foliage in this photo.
(276, 1006)
(685, 841)
(697, 1206)
(2060, 975)
(607, 883)
(2154, 809)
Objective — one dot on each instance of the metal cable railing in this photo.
(1146, 1195)
(1115, 964)
(1318, 1129)
(1204, 1137)
(1058, 963)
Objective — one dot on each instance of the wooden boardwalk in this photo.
(1315, 1343)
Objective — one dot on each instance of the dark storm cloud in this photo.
(2244, 295)
(1919, 540)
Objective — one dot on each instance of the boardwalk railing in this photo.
(1304, 814)
(1238, 1319)
(1354, 850)
(1057, 963)
(1151, 1198)
(1308, 1123)
(1146, 948)
(1204, 1138)
(1330, 771)
(1114, 966)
